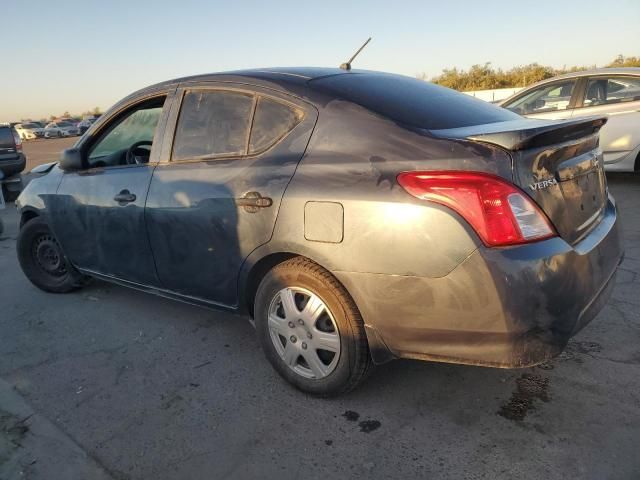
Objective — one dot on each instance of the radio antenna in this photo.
(347, 65)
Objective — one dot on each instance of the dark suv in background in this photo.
(12, 162)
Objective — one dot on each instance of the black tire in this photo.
(354, 362)
(43, 261)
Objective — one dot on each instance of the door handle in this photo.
(253, 201)
(124, 197)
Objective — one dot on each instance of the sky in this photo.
(69, 55)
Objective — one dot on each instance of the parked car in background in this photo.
(29, 131)
(85, 124)
(61, 129)
(357, 216)
(12, 162)
(614, 92)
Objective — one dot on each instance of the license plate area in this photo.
(585, 198)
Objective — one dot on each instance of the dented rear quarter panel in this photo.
(379, 217)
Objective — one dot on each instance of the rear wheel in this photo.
(43, 261)
(310, 329)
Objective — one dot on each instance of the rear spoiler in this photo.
(525, 133)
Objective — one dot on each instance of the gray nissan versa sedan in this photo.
(356, 216)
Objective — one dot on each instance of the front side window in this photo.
(135, 127)
(602, 91)
(547, 98)
(212, 123)
(271, 122)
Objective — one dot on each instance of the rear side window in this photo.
(602, 91)
(412, 102)
(272, 121)
(6, 138)
(212, 123)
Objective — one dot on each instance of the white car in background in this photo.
(614, 92)
(61, 129)
(85, 124)
(29, 131)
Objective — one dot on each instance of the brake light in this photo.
(17, 140)
(499, 212)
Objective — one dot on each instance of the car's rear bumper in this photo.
(509, 307)
(13, 166)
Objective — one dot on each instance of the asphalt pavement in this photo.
(125, 385)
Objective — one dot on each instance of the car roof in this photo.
(281, 78)
(588, 73)
(298, 75)
(635, 71)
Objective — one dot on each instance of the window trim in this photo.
(292, 106)
(105, 123)
(256, 95)
(573, 100)
(580, 104)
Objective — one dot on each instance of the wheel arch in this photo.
(254, 275)
(27, 215)
(255, 272)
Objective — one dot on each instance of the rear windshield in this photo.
(6, 138)
(413, 102)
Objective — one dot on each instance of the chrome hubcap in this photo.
(304, 333)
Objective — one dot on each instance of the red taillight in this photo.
(17, 140)
(499, 212)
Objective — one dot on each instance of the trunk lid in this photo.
(557, 163)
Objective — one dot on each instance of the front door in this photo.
(549, 101)
(233, 154)
(98, 212)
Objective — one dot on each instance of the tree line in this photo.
(486, 77)
(89, 113)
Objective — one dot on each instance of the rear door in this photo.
(233, 154)
(618, 97)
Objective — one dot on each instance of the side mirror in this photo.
(71, 160)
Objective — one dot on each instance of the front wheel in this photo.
(43, 261)
(310, 329)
